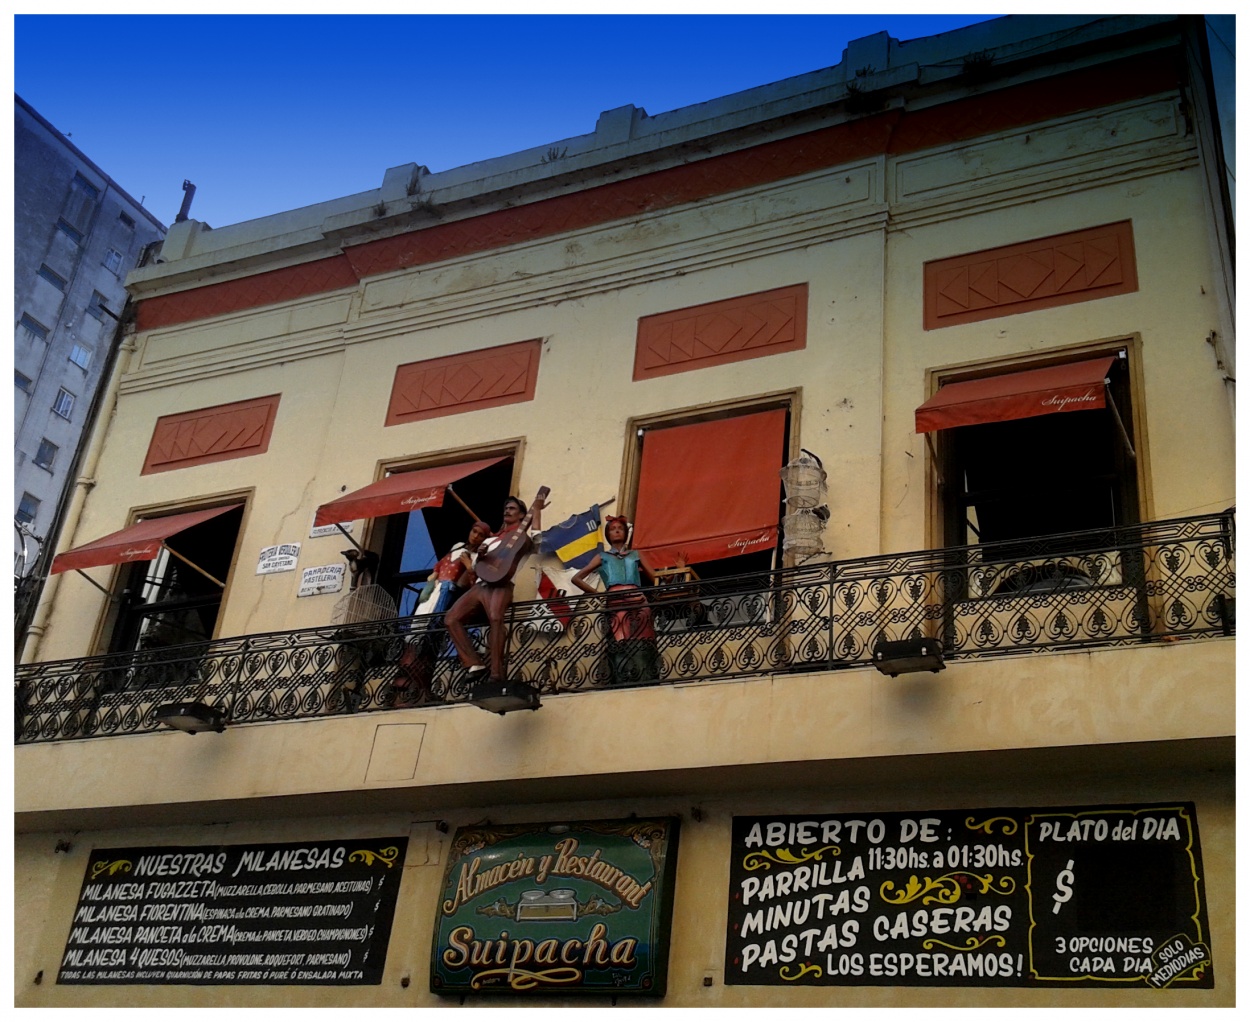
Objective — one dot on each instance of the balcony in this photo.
(1152, 583)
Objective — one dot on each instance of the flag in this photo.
(556, 605)
(575, 540)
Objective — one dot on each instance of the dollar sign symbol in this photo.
(1064, 882)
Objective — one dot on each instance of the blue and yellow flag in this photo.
(575, 540)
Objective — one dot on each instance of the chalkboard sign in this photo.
(1074, 896)
(312, 913)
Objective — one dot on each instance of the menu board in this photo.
(310, 913)
(1074, 896)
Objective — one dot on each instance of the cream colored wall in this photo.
(697, 947)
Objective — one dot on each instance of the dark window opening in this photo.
(27, 508)
(71, 232)
(167, 602)
(46, 454)
(410, 543)
(1017, 487)
(52, 277)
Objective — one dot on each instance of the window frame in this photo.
(52, 277)
(97, 308)
(46, 445)
(27, 387)
(384, 539)
(117, 269)
(68, 413)
(117, 617)
(90, 353)
(24, 513)
(940, 467)
(32, 326)
(636, 426)
(69, 230)
(84, 185)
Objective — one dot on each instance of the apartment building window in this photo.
(23, 381)
(81, 356)
(98, 306)
(70, 231)
(1036, 452)
(64, 403)
(46, 455)
(127, 221)
(27, 508)
(113, 260)
(32, 328)
(53, 278)
(86, 187)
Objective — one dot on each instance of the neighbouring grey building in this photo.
(76, 236)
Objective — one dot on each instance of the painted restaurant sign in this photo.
(583, 907)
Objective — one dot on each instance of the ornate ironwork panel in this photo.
(1156, 582)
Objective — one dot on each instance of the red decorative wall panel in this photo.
(749, 326)
(1059, 270)
(220, 433)
(465, 382)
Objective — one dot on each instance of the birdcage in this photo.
(365, 603)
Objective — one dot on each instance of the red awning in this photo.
(403, 491)
(1071, 387)
(710, 489)
(139, 542)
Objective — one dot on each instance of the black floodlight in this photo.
(191, 717)
(505, 696)
(906, 655)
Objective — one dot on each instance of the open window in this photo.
(418, 514)
(174, 569)
(1028, 456)
(175, 598)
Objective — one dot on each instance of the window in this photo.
(113, 260)
(27, 508)
(1027, 470)
(46, 454)
(126, 220)
(720, 509)
(81, 356)
(411, 542)
(71, 232)
(52, 277)
(98, 307)
(64, 403)
(23, 381)
(86, 187)
(33, 329)
(168, 601)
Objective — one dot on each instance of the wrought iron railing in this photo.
(1156, 582)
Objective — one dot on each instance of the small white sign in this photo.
(328, 578)
(278, 558)
(329, 530)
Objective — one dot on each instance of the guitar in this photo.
(501, 563)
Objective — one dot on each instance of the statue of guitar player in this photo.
(498, 557)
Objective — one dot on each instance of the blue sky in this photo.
(266, 113)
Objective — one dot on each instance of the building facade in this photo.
(914, 376)
(76, 236)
